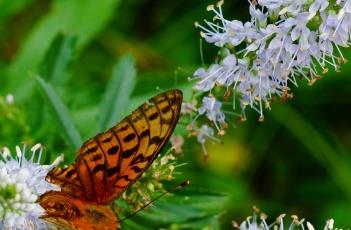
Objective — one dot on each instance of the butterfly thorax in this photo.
(67, 211)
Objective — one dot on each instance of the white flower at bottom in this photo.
(22, 181)
(258, 222)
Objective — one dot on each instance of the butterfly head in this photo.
(57, 204)
(64, 210)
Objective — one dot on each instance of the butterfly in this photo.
(108, 164)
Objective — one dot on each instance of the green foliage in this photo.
(68, 16)
(57, 60)
(186, 209)
(76, 67)
(339, 167)
(60, 111)
(117, 94)
(9, 8)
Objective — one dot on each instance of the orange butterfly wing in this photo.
(110, 162)
(68, 179)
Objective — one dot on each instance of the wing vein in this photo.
(133, 127)
(119, 156)
(105, 162)
(90, 175)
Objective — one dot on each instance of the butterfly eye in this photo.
(59, 207)
(95, 215)
(64, 210)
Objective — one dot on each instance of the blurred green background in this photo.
(296, 162)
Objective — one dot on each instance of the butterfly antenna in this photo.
(176, 78)
(182, 185)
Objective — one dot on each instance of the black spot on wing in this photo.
(96, 157)
(153, 116)
(166, 109)
(112, 171)
(126, 178)
(129, 152)
(123, 128)
(145, 133)
(106, 140)
(136, 169)
(91, 150)
(113, 150)
(156, 140)
(97, 168)
(140, 158)
(129, 137)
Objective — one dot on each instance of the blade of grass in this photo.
(60, 112)
(57, 60)
(81, 18)
(54, 69)
(117, 94)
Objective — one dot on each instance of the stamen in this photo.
(210, 7)
(309, 226)
(23, 153)
(5, 153)
(18, 152)
(40, 154)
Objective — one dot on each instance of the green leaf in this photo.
(57, 60)
(185, 209)
(53, 69)
(210, 222)
(60, 112)
(118, 92)
(81, 18)
(9, 8)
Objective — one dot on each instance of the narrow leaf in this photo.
(82, 18)
(117, 94)
(10, 8)
(57, 59)
(60, 112)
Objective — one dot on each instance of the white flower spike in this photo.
(22, 181)
(283, 41)
(258, 222)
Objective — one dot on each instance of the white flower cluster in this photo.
(203, 134)
(258, 222)
(284, 39)
(211, 108)
(22, 181)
